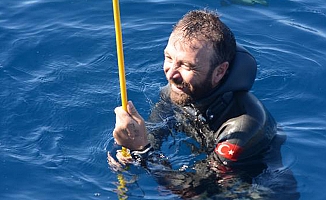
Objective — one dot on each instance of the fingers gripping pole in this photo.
(122, 78)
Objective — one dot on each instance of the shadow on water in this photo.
(244, 2)
(200, 178)
(262, 180)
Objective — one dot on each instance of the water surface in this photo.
(58, 71)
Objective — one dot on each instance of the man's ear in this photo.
(219, 72)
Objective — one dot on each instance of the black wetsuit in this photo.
(232, 129)
(231, 124)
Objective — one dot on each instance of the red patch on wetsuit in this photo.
(228, 150)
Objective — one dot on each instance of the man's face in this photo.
(187, 68)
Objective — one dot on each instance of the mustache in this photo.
(180, 84)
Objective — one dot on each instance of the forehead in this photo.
(176, 40)
(192, 47)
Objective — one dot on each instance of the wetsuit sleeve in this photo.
(243, 139)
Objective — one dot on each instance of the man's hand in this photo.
(130, 130)
(118, 166)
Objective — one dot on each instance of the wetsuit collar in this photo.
(209, 108)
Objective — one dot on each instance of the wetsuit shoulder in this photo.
(246, 135)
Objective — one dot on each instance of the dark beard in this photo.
(180, 99)
(198, 92)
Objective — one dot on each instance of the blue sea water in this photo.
(59, 87)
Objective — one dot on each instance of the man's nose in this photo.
(173, 73)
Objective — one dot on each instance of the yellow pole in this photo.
(122, 78)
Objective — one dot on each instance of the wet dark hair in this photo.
(206, 25)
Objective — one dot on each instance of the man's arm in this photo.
(243, 139)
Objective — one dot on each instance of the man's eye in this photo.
(187, 66)
(168, 58)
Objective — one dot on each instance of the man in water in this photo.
(207, 97)
(233, 125)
